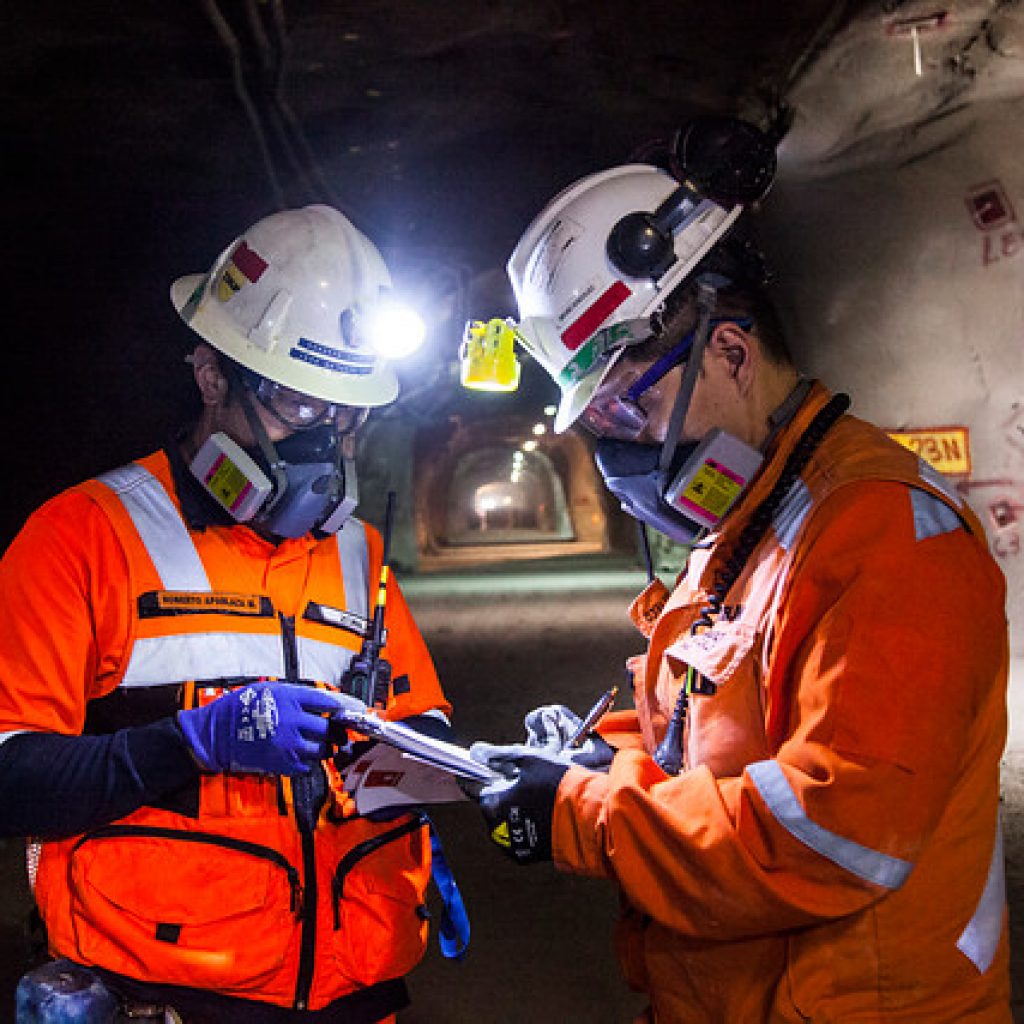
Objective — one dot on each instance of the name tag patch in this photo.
(156, 603)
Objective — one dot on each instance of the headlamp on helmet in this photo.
(487, 356)
(394, 330)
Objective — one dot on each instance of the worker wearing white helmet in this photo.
(180, 632)
(801, 810)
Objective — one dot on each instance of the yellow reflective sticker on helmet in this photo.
(230, 282)
(500, 835)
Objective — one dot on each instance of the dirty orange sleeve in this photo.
(890, 662)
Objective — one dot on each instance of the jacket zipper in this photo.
(209, 839)
(357, 853)
(307, 941)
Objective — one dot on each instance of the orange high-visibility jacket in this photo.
(831, 850)
(112, 602)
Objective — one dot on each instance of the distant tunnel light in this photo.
(539, 429)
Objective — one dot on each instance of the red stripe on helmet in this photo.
(591, 318)
(250, 263)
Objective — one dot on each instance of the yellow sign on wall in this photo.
(948, 449)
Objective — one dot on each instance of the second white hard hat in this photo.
(578, 310)
(290, 299)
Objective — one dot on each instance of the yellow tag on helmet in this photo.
(487, 356)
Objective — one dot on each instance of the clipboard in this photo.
(447, 757)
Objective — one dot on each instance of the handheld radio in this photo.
(368, 676)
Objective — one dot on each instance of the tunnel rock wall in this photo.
(896, 228)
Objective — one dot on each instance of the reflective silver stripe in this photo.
(168, 659)
(33, 850)
(322, 661)
(932, 516)
(790, 515)
(872, 866)
(5, 736)
(930, 475)
(980, 939)
(158, 660)
(438, 714)
(355, 566)
(160, 527)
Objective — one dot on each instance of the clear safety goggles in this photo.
(298, 411)
(617, 414)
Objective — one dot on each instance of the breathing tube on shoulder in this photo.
(301, 484)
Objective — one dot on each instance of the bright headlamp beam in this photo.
(395, 331)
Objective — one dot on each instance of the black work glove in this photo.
(518, 809)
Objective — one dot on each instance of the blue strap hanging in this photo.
(453, 932)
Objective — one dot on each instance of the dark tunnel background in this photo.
(443, 127)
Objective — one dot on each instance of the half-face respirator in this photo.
(678, 488)
(305, 482)
(701, 483)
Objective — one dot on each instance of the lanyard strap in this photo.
(453, 932)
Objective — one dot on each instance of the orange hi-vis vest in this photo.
(831, 849)
(240, 888)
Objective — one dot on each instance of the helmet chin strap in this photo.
(706, 297)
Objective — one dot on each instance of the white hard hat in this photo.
(287, 300)
(606, 251)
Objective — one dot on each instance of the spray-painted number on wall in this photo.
(1005, 246)
(1001, 500)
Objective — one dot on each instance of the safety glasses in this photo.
(618, 415)
(298, 411)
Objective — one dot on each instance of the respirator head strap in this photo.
(262, 438)
(706, 296)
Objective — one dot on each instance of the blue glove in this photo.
(519, 808)
(266, 728)
(550, 727)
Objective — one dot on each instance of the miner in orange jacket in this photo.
(177, 636)
(802, 811)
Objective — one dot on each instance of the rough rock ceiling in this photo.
(442, 121)
(442, 124)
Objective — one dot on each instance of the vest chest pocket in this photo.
(726, 730)
(183, 908)
(377, 894)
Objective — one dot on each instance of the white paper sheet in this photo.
(386, 777)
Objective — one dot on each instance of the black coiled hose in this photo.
(669, 755)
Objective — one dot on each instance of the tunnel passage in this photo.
(503, 494)
(497, 490)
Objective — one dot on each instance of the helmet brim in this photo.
(183, 289)
(578, 397)
(383, 390)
